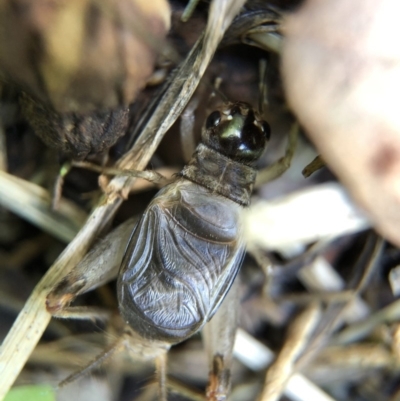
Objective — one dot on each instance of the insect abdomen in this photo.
(175, 272)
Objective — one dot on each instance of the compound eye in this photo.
(266, 129)
(213, 119)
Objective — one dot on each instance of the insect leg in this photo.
(161, 372)
(276, 169)
(188, 118)
(219, 337)
(187, 123)
(314, 166)
(96, 268)
(148, 175)
(266, 266)
(150, 349)
(263, 86)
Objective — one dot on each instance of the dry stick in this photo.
(336, 315)
(31, 202)
(34, 318)
(354, 357)
(188, 11)
(359, 330)
(319, 277)
(282, 368)
(257, 356)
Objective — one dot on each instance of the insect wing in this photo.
(172, 278)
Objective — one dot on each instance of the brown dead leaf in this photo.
(81, 55)
(341, 67)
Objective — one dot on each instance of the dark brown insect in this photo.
(185, 252)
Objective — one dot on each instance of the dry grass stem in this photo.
(322, 278)
(360, 330)
(283, 366)
(256, 356)
(335, 313)
(32, 203)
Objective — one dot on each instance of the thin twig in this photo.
(335, 315)
(320, 278)
(33, 203)
(257, 356)
(282, 368)
(358, 331)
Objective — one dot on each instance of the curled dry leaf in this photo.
(81, 55)
(75, 135)
(341, 68)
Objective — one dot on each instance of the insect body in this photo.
(186, 250)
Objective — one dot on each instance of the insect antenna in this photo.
(217, 91)
(262, 86)
(187, 120)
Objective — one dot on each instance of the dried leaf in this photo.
(341, 69)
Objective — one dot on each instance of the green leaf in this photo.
(31, 393)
